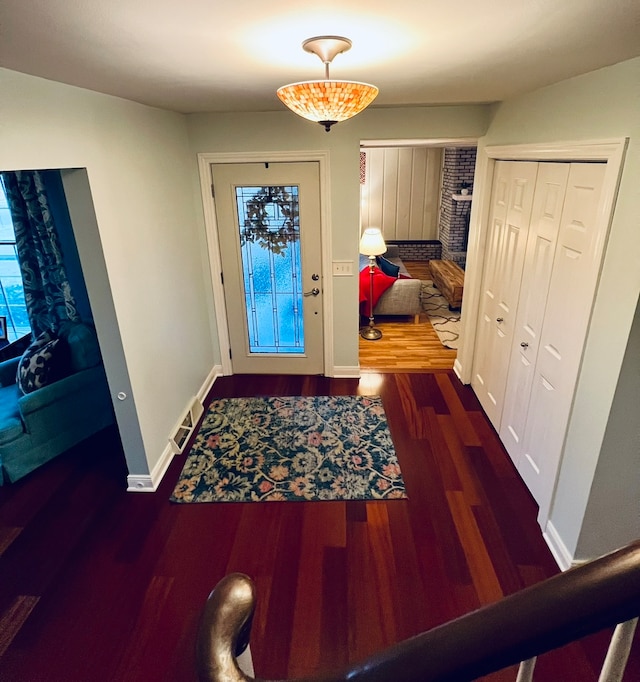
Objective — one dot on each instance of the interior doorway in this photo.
(419, 193)
(67, 197)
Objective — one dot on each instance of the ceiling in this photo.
(209, 55)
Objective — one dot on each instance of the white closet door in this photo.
(551, 185)
(486, 341)
(511, 204)
(574, 278)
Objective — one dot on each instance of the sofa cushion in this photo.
(11, 426)
(41, 364)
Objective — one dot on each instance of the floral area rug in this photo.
(292, 448)
(445, 322)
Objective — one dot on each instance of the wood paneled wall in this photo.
(401, 191)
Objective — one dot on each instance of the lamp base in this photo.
(370, 333)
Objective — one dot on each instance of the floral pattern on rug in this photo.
(446, 322)
(292, 449)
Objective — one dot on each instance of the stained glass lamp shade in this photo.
(327, 101)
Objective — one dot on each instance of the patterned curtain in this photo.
(46, 287)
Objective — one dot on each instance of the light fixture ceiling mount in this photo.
(327, 101)
(327, 47)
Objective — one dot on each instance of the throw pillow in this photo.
(37, 366)
(381, 283)
(387, 266)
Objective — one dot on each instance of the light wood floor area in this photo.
(405, 346)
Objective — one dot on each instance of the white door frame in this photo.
(205, 160)
(611, 151)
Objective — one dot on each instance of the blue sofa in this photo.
(41, 424)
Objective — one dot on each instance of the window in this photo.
(12, 303)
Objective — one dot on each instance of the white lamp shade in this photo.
(372, 243)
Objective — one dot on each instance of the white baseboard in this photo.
(140, 484)
(457, 368)
(346, 372)
(208, 382)
(148, 483)
(561, 554)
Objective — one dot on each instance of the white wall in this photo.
(401, 192)
(600, 105)
(284, 131)
(145, 245)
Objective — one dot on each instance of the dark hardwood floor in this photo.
(97, 584)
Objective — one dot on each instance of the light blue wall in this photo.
(149, 247)
(284, 131)
(600, 105)
(142, 255)
(612, 516)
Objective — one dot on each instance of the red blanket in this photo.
(381, 283)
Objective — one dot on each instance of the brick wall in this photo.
(419, 250)
(458, 170)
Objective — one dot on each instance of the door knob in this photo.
(314, 292)
(499, 319)
(524, 344)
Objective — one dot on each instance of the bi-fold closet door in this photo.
(536, 308)
(510, 214)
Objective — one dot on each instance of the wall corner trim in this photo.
(140, 484)
(457, 368)
(214, 374)
(561, 554)
(148, 483)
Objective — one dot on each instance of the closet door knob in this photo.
(524, 344)
(499, 319)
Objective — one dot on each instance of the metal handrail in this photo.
(561, 609)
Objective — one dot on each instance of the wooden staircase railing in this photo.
(564, 608)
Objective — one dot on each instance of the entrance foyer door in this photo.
(269, 231)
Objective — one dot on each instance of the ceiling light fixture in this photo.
(327, 101)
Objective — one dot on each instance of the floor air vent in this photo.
(183, 430)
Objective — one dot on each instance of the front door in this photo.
(270, 245)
